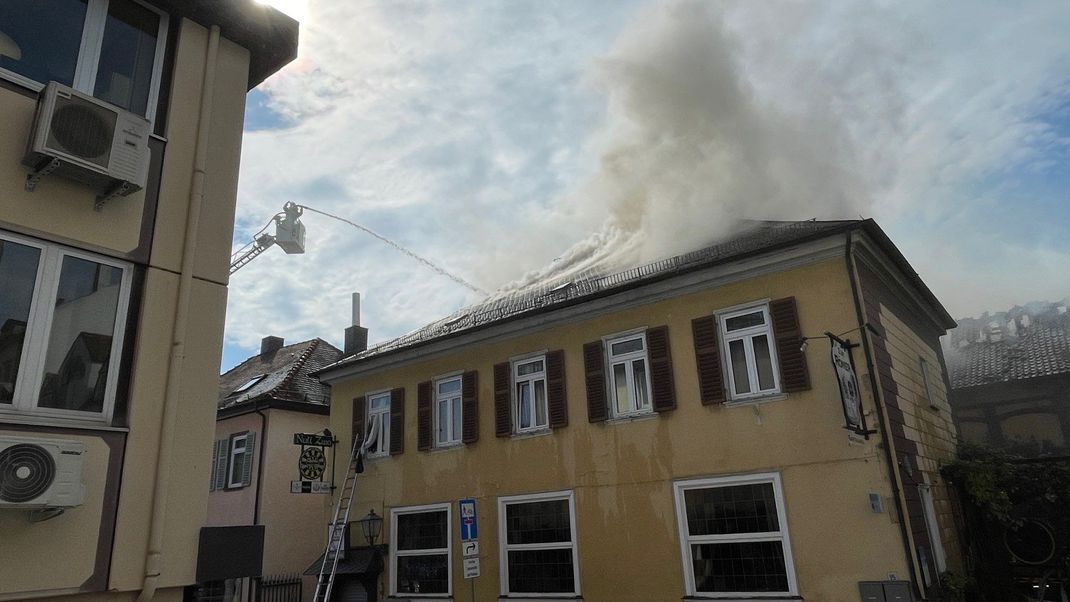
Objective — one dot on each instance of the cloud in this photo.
(495, 137)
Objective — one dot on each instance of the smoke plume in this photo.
(689, 149)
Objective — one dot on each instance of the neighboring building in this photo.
(1010, 378)
(262, 402)
(111, 306)
(667, 432)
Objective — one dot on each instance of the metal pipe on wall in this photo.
(154, 555)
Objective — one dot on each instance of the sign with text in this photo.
(845, 375)
(469, 529)
(313, 439)
(471, 568)
(310, 487)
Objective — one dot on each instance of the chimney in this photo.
(356, 335)
(269, 345)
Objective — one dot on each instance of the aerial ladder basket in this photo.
(336, 535)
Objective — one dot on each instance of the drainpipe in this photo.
(260, 466)
(153, 559)
(886, 440)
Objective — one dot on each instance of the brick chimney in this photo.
(356, 335)
(269, 345)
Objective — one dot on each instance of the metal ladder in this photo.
(325, 581)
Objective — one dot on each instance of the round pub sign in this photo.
(312, 463)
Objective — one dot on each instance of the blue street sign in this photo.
(469, 532)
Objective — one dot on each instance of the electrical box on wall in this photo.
(82, 138)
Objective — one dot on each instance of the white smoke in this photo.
(689, 149)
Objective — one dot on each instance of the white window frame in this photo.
(88, 61)
(505, 547)
(381, 447)
(924, 367)
(925, 491)
(395, 552)
(39, 328)
(458, 436)
(747, 336)
(517, 380)
(238, 446)
(686, 540)
(627, 359)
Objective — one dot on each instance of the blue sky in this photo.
(494, 137)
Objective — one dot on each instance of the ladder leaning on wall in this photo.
(336, 536)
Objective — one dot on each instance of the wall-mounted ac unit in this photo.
(40, 473)
(80, 137)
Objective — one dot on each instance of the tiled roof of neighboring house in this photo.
(285, 375)
(1040, 350)
(760, 237)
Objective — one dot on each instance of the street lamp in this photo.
(371, 525)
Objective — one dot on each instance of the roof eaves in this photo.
(834, 230)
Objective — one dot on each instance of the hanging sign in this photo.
(849, 393)
(310, 487)
(314, 439)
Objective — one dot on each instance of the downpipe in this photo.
(154, 556)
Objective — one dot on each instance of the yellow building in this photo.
(675, 431)
(117, 194)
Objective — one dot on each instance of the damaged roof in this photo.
(1039, 350)
(556, 293)
(283, 375)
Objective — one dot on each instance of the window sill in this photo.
(737, 598)
(753, 401)
(441, 449)
(424, 598)
(632, 418)
(11, 417)
(533, 434)
(528, 598)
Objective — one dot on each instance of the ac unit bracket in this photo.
(45, 167)
(121, 188)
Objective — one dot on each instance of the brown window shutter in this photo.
(708, 360)
(794, 375)
(470, 407)
(663, 391)
(360, 413)
(397, 421)
(594, 366)
(423, 416)
(503, 419)
(556, 401)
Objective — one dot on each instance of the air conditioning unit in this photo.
(40, 473)
(89, 140)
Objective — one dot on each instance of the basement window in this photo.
(62, 320)
(539, 555)
(112, 49)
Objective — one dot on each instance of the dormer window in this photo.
(112, 49)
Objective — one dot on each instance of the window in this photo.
(420, 554)
(746, 339)
(539, 553)
(245, 386)
(238, 461)
(629, 379)
(62, 316)
(734, 536)
(529, 394)
(924, 367)
(448, 411)
(111, 49)
(379, 410)
(933, 526)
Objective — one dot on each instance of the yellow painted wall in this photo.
(622, 473)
